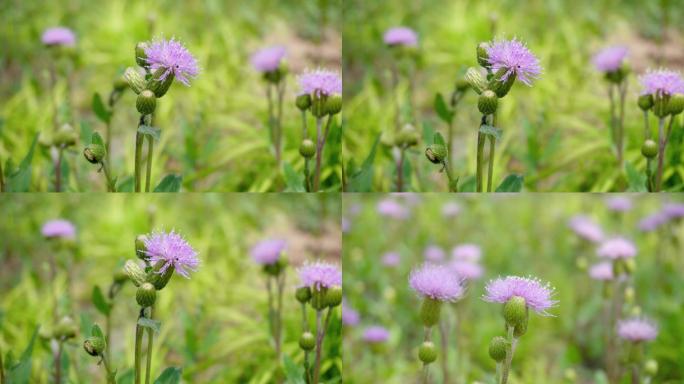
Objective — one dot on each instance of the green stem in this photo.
(271, 310)
(635, 374)
(279, 129)
(509, 356)
(271, 117)
(395, 94)
(58, 362)
(110, 183)
(305, 128)
(279, 313)
(400, 170)
(148, 174)
(150, 342)
(498, 373)
(2, 189)
(320, 331)
(611, 97)
(620, 127)
(450, 177)
(305, 328)
(427, 336)
(58, 169)
(444, 337)
(111, 376)
(138, 160)
(307, 176)
(138, 352)
(490, 173)
(320, 143)
(480, 159)
(662, 143)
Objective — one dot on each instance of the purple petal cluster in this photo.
(376, 334)
(392, 208)
(466, 270)
(602, 271)
(58, 228)
(637, 329)
(268, 59)
(400, 36)
(617, 248)
(391, 259)
(434, 253)
(268, 252)
(515, 58)
(58, 36)
(320, 275)
(172, 57)
(619, 204)
(350, 316)
(586, 228)
(538, 296)
(673, 211)
(467, 252)
(436, 282)
(652, 222)
(661, 82)
(451, 209)
(320, 82)
(610, 59)
(171, 249)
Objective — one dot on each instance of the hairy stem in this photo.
(148, 174)
(509, 356)
(271, 308)
(271, 115)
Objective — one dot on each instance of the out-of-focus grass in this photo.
(213, 133)
(214, 325)
(522, 235)
(555, 133)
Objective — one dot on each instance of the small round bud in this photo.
(515, 311)
(307, 148)
(146, 295)
(140, 249)
(158, 86)
(582, 263)
(303, 294)
(146, 102)
(333, 104)
(66, 328)
(318, 107)
(429, 311)
(629, 295)
(630, 266)
(134, 272)
(651, 367)
(140, 55)
(65, 136)
(676, 104)
(635, 311)
(487, 102)
(475, 79)
(134, 79)
(94, 345)
(334, 296)
(303, 102)
(427, 353)
(408, 136)
(307, 341)
(649, 149)
(660, 105)
(570, 375)
(276, 75)
(645, 102)
(318, 298)
(159, 280)
(94, 153)
(436, 153)
(501, 86)
(497, 348)
(276, 268)
(520, 329)
(482, 55)
(619, 74)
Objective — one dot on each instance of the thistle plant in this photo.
(662, 94)
(323, 89)
(505, 62)
(635, 332)
(162, 253)
(270, 255)
(321, 287)
(163, 62)
(437, 153)
(611, 61)
(518, 295)
(97, 346)
(436, 285)
(270, 63)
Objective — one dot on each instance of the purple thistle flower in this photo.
(173, 251)
(661, 82)
(451, 209)
(400, 36)
(586, 228)
(610, 59)
(514, 57)
(466, 270)
(268, 252)
(350, 316)
(436, 282)
(268, 59)
(467, 252)
(619, 204)
(601, 271)
(58, 228)
(673, 211)
(637, 329)
(320, 82)
(537, 296)
(617, 248)
(376, 334)
(652, 222)
(58, 36)
(391, 208)
(172, 57)
(320, 275)
(433, 253)
(391, 259)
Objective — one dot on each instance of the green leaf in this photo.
(147, 130)
(491, 131)
(294, 180)
(126, 378)
(363, 179)
(442, 110)
(100, 110)
(126, 185)
(97, 139)
(96, 331)
(294, 374)
(171, 375)
(512, 183)
(635, 179)
(438, 139)
(170, 183)
(154, 325)
(21, 373)
(100, 302)
(20, 181)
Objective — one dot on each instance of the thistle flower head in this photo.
(58, 228)
(617, 248)
(433, 253)
(601, 271)
(319, 275)
(171, 249)
(376, 334)
(320, 82)
(391, 259)
(172, 57)
(538, 296)
(466, 270)
(58, 36)
(619, 204)
(515, 58)
(610, 59)
(268, 59)
(268, 252)
(451, 209)
(350, 316)
(467, 252)
(637, 329)
(392, 208)
(586, 228)
(400, 36)
(673, 210)
(436, 282)
(661, 82)
(652, 222)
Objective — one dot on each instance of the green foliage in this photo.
(100, 302)
(512, 183)
(19, 180)
(170, 375)
(21, 372)
(170, 183)
(100, 110)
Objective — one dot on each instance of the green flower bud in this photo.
(146, 295)
(651, 367)
(618, 75)
(303, 102)
(497, 348)
(635, 311)
(515, 311)
(307, 148)
(303, 294)
(94, 345)
(318, 106)
(487, 102)
(482, 55)
(645, 102)
(618, 267)
(134, 272)
(649, 149)
(276, 75)
(408, 136)
(159, 280)
(630, 266)
(140, 55)
(94, 153)
(629, 295)
(65, 136)
(307, 341)
(318, 298)
(500, 86)
(582, 263)
(436, 153)
(160, 87)
(660, 105)
(333, 104)
(676, 104)
(134, 79)
(520, 329)
(334, 296)
(276, 268)
(429, 311)
(570, 375)
(45, 139)
(140, 249)
(146, 102)
(477, 82)
(427, 353)
(66, 328)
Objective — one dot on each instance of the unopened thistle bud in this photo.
(483, 55)
(318, 108)
(146, 295)
(501, 86)
(407, 137)
(333, 104)
(436, 153)
(134, 79)
(497, 349)
(94, 345)
(134, 272)
(303, 102)
(159, 280)
(651, 367)
(676, 104)
(66, 328)
(629, 295)
(570, 375)
(140, 55)
(307, 148)
(487, 102)
(630, 266)
(158, 86)
(307, 341)
(146, 102)
(334, 296)
(303, 294)
(520, 329)
(649, 149)
(427, 353)
(660, 105)
(318, 298)
(65, 136)
(429, 311)
(474, 77)
(94, 153)
(515, 311)
(645, 102)
(140, 249)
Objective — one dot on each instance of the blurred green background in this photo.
(555, 134)
(214, 325)
(213, 133)
(523, 235)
